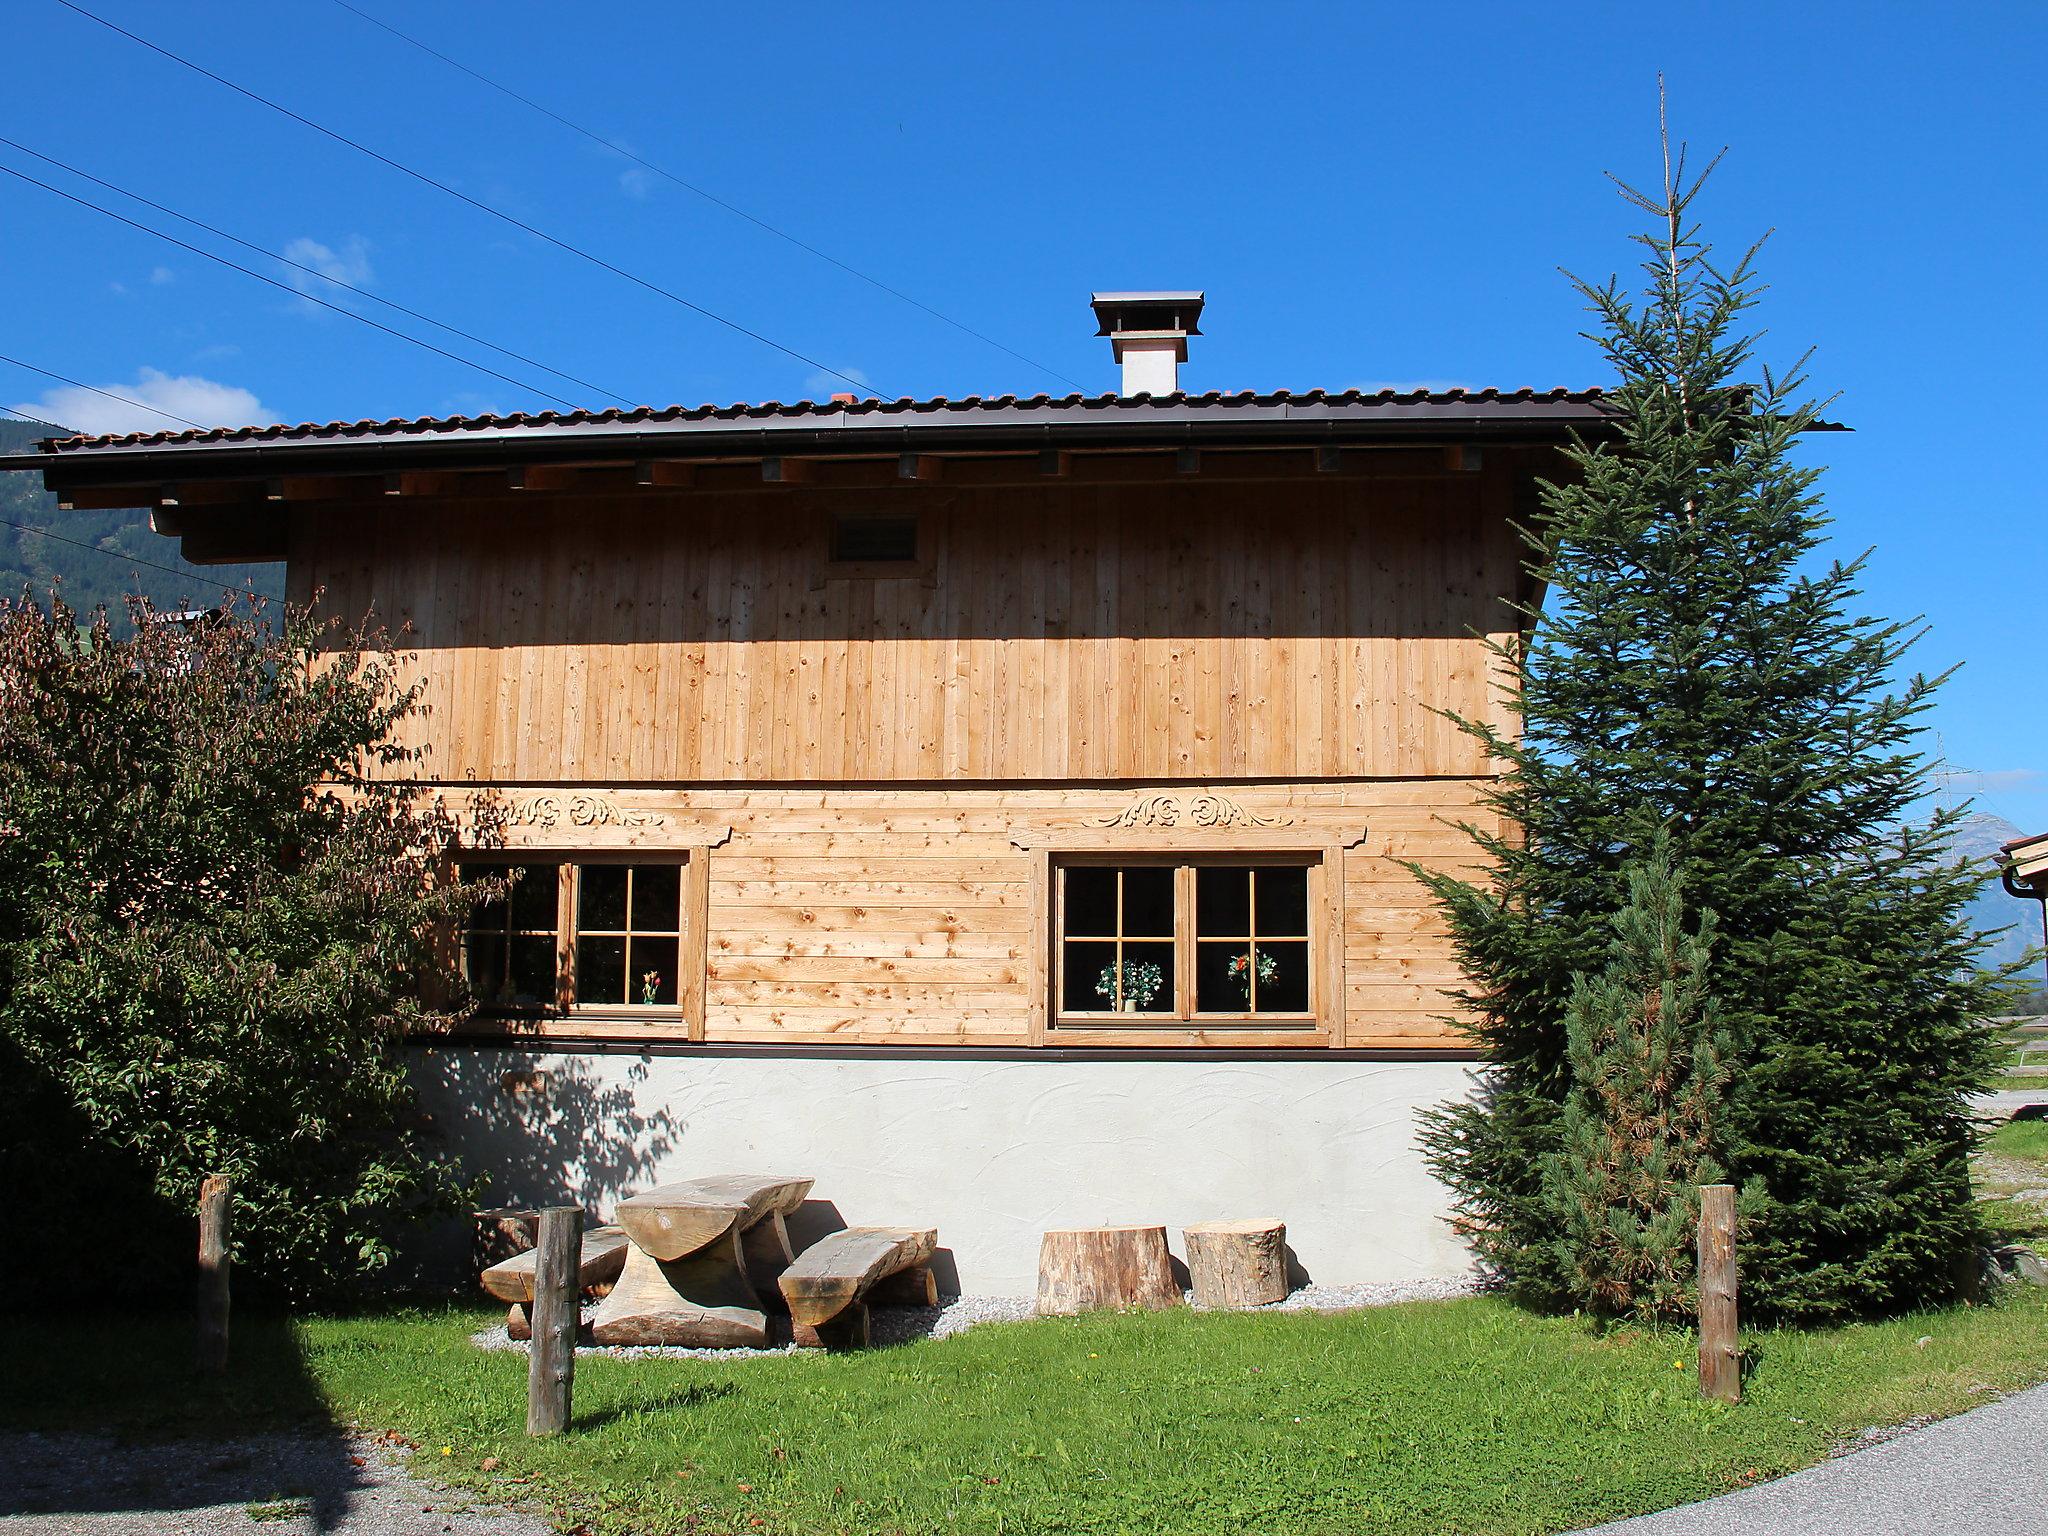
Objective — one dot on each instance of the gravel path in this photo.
(262, 1485)
(1980, 1471)
(902, 1325)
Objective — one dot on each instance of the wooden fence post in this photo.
(551, 1364)
(216, 1201)
(1720, 1356)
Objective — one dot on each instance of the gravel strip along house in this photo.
(993, 808)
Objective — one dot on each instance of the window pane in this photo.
(1223, 900)
(533, 971)
(654, 972)
(483, 964)
(1283, 900)
(600, 970)
(1148, 902)
(1091, 900)
(534, 896)
(1283, 978)
(657, 896)
(1148, 977)
(1089, 967)
(1222, 977)
(601, 897)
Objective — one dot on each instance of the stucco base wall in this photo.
(991, 1152)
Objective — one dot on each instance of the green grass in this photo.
(1461, 1417)
(2026, 1140)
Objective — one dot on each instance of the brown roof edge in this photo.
(1172, 417)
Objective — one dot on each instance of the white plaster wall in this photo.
(991, 1152)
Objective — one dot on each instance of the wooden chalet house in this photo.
(994, 807)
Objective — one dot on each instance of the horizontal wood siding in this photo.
(886, 914)
(1066, 632)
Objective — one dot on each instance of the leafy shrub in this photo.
(216, 929)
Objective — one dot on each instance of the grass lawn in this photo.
(1466, 1416)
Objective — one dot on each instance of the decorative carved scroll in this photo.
(1199, 810)
(578, 810)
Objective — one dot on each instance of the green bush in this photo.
(216, 928)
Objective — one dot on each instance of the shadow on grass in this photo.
(670, 1401)
(107, 1413)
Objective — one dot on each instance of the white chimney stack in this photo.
(1149, 333)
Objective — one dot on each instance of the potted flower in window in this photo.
(1243, 967)
(1142, 980)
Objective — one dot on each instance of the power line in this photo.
(463, 197)
(12, 414)
(100, 549)
(250, 245)
(708, 196)
(339, 309)
(95, 389)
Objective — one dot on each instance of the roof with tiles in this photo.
(1446, 406)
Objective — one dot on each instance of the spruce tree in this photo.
(1639, 1125)
(1697, 665)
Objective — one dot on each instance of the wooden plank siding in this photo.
(885, 914)
(1103, 632)
(871, 775)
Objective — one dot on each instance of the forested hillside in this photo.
(109, 567)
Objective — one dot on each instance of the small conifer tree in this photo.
(1637, 1135)
(1695, 662)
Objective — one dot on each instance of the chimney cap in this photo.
(1159, 314)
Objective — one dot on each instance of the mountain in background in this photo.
(1978, 839)
(109, 566)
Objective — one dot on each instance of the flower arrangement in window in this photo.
(1243, 967)
(650, 987)
(1142, 980)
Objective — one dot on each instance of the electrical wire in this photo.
(463, 197)
(310, 298)
(250, 245)
(95, 389)
(710, 197)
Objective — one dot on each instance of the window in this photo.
(1158, 940)
(863, 539)
(597, 934)
(508, 947)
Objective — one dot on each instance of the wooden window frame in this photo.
(566, 1014)
(923, 567)
(1323, 1026)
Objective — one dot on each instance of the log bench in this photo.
(603, 1256)
(686, 1278)
(831, 1283)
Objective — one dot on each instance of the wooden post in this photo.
(1720, 1358)
(551, 1363)
(216, 1200)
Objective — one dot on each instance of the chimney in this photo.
(1149, 333)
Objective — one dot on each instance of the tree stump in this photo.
(1091, 1268)
(1237, 1264)
(703, 1301)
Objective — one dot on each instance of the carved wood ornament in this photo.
(578, 810)
(1199, 810)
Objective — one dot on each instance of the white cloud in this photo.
(637, 182)
(186, 395)
(158, 276)
(822, 386)
(348, 262)
(1997, 781)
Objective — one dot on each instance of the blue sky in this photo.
(1369, 194)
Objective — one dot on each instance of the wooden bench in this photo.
(831, 1283)
(686, 1278)
(602, 1257)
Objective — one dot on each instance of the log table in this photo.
(1090, 1268)
(686, 1279)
